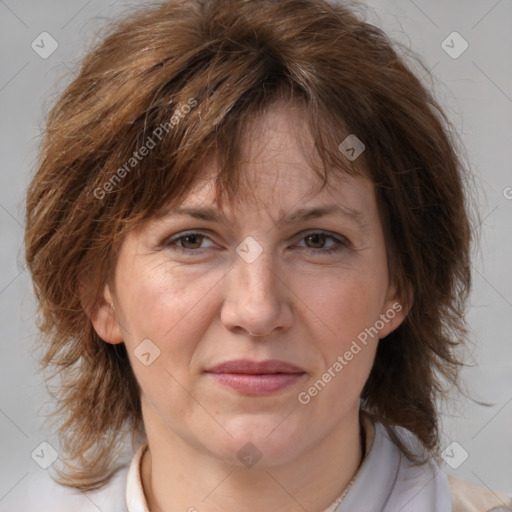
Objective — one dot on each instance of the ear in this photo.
(104, 319)
(394, 311)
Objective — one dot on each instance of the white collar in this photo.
(135, 498)
(389, 482)
(386, 481)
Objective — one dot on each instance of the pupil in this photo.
(195, 240)
(317, 238)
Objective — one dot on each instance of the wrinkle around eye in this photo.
(207, 241)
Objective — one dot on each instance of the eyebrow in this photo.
(302, 214)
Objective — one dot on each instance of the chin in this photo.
(264, 441)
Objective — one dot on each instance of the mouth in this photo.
(256, 377)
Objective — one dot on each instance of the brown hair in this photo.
(189, 75)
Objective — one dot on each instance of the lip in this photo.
(257, 377)
(255, 367)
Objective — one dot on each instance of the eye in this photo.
(191, 241)
(316, 240)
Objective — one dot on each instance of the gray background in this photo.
(476, 91)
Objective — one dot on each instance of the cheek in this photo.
(349, 307)
(346, 345)
(173, 310)
(347, 304)
(168, 307)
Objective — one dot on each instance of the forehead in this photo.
(285, 195)
(278, 173)
(277, 150)
(277, 187)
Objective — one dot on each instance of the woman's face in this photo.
(289, 274)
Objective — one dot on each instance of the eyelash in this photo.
(341, 242)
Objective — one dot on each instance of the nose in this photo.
(257, 300)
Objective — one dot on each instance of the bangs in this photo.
(176, 143)
(206, 113)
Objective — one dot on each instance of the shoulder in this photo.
(468, 497)
(45, 495)
(454, 493)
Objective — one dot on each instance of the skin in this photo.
(295, 302)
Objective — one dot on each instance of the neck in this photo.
(179, 477)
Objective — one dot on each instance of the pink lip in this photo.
(257, 377)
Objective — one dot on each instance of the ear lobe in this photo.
(104, 320)
(394, 313)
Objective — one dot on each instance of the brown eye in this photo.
(323, 243)
(317, 240)
(191, 241)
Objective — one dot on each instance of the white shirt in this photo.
(385, 482)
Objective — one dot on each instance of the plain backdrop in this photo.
(474, 87)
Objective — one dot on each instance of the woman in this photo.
(250, 242)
